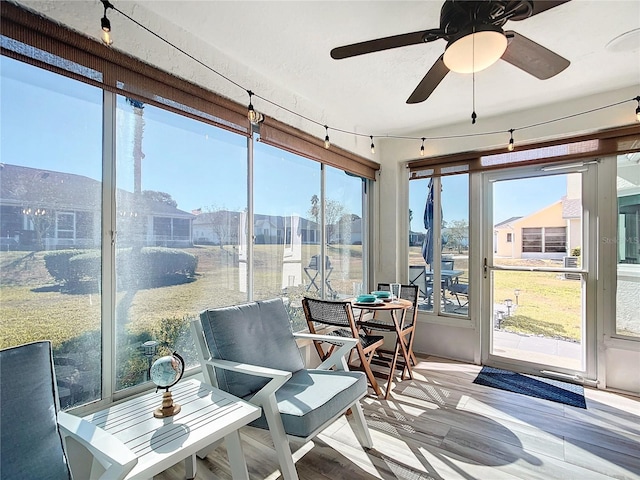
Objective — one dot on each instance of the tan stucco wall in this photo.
(550, 216)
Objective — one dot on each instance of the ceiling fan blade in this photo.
(378, 45)
(521, 10)
(532, 57)
(542, 6)
(429, 83)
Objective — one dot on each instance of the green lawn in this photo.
(34, 307)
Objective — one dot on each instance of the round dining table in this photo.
(397, 310)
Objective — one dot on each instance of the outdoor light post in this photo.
(149, 349)
(516, 292)
(499, 317)
(508, 303)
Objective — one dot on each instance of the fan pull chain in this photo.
(473, 77)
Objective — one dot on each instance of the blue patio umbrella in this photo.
(427, 243)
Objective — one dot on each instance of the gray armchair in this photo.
(250, 351)
(39, 441)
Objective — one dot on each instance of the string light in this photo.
(106, 24)
(106, 27)
(253, 115)
(373, 147)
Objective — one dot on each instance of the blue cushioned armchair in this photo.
(32, 428)
(250, 351)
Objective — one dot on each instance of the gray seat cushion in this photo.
(257, 333)
(312, 397)
(30, 442)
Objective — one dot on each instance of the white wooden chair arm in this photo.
(337, 358)
(111, 453)
(278, 377)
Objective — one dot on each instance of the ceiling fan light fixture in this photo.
(489, 43)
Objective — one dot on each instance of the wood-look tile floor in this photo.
(440, 425)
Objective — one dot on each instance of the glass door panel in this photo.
(628, 243)
(535, 270)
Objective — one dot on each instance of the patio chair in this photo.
(251, 352)
(39, 441)
(312, 271)
(326, 313)
(418, 277)
(460, 289)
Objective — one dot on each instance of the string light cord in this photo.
(107, 5)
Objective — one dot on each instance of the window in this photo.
(509, 237)
(177, 190)
(51, 183)
(532, 240)
(286, 204)
(628, 245)
(167, 183)
(451, 234)
(544, 240)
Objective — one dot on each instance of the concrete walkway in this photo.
(532, 348)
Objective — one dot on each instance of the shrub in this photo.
(57, 263)
(152, 265)
(85, 266)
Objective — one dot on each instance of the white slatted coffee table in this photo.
(207, 416)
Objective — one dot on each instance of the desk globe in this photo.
(165, 373)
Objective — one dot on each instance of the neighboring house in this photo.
(552, 232)
(347, 232)
(221, 227)
(37, 211)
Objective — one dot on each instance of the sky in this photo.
(56, 124)
(511, 198)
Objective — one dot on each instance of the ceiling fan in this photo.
(475, 40)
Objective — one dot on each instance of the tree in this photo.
(43, 222)
(458, 233)
(334, 210)
(314, 211)
(224, 224)
(160, 197)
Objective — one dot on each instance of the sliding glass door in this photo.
(537, 271)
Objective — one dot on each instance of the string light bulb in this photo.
(373, 147)
(422, 147)
(638, 109)
(511, 145)
(327, 143)
(105, 24)
(252, 115)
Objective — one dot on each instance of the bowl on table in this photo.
(366, 298)
(381, 294)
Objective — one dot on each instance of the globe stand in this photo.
(168, 408)
(165, 373)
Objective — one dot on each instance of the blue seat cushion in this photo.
(312, 397)
(257, 333)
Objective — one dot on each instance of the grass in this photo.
(548, 305)
(34, 307)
